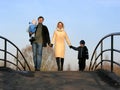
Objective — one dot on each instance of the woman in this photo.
(58, 40)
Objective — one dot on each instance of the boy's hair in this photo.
(34, 22)
(82, 42)
(40, 17)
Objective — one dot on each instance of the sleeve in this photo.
(53, 38)
(47, 36)
(75, 48)
(87, 54)
(67, 39)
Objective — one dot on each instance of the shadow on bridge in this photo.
(67, 80)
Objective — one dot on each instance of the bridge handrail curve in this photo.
(17, 49)
(92, 64)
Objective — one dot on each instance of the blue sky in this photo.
(84, 19)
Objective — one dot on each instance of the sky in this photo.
(83, 19)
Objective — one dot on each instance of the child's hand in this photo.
(70, 46)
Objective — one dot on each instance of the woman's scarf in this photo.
(60, 30)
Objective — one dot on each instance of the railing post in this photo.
(101, 54)
(24, 65)
(95, 59)
(5, 53)
(17, 60)
(112, 53)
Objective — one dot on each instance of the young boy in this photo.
(82, 54)
(32, 29)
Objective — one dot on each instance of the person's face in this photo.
(40, 20)
(82, 45)
(60, 25)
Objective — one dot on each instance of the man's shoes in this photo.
(37, 69)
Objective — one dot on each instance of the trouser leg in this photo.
(82, 64)
(34, 49)
(62, 63)
(39, 56)
(58, 63)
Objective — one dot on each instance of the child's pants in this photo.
(82, 64)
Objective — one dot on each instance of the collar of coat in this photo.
(60, 30)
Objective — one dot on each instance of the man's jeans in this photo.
(37, 55)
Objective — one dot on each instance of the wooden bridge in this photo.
(96, 78)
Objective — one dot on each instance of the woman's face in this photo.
(60, 25)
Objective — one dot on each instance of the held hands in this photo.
(51, 45)
(70, 46)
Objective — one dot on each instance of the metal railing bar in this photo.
(6, 40)
(101, 62)
(107, 61)
(98, 57)
(11, 63)
(112, 51)
(14, 57)
(102, 53)
(5, 54)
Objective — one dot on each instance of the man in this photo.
(42, 39)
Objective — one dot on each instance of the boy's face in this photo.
(82, 45)
(34, 22)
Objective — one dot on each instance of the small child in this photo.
(32, 29)
(82, 55)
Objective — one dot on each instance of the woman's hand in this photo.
(70, 46)
(51, 45)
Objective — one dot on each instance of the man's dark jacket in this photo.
(45, 36)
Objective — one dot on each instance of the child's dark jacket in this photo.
(82, 52)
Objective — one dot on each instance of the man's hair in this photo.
(40, 17)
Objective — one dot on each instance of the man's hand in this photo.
(51, 45)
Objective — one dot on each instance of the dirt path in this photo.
(11, 80)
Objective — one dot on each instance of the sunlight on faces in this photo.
(60, 25)
(40, 20)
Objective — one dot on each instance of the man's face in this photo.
(40, 20)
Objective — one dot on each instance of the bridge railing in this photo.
(98, 58)
(17, 63)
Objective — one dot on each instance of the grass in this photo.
(116, 68)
